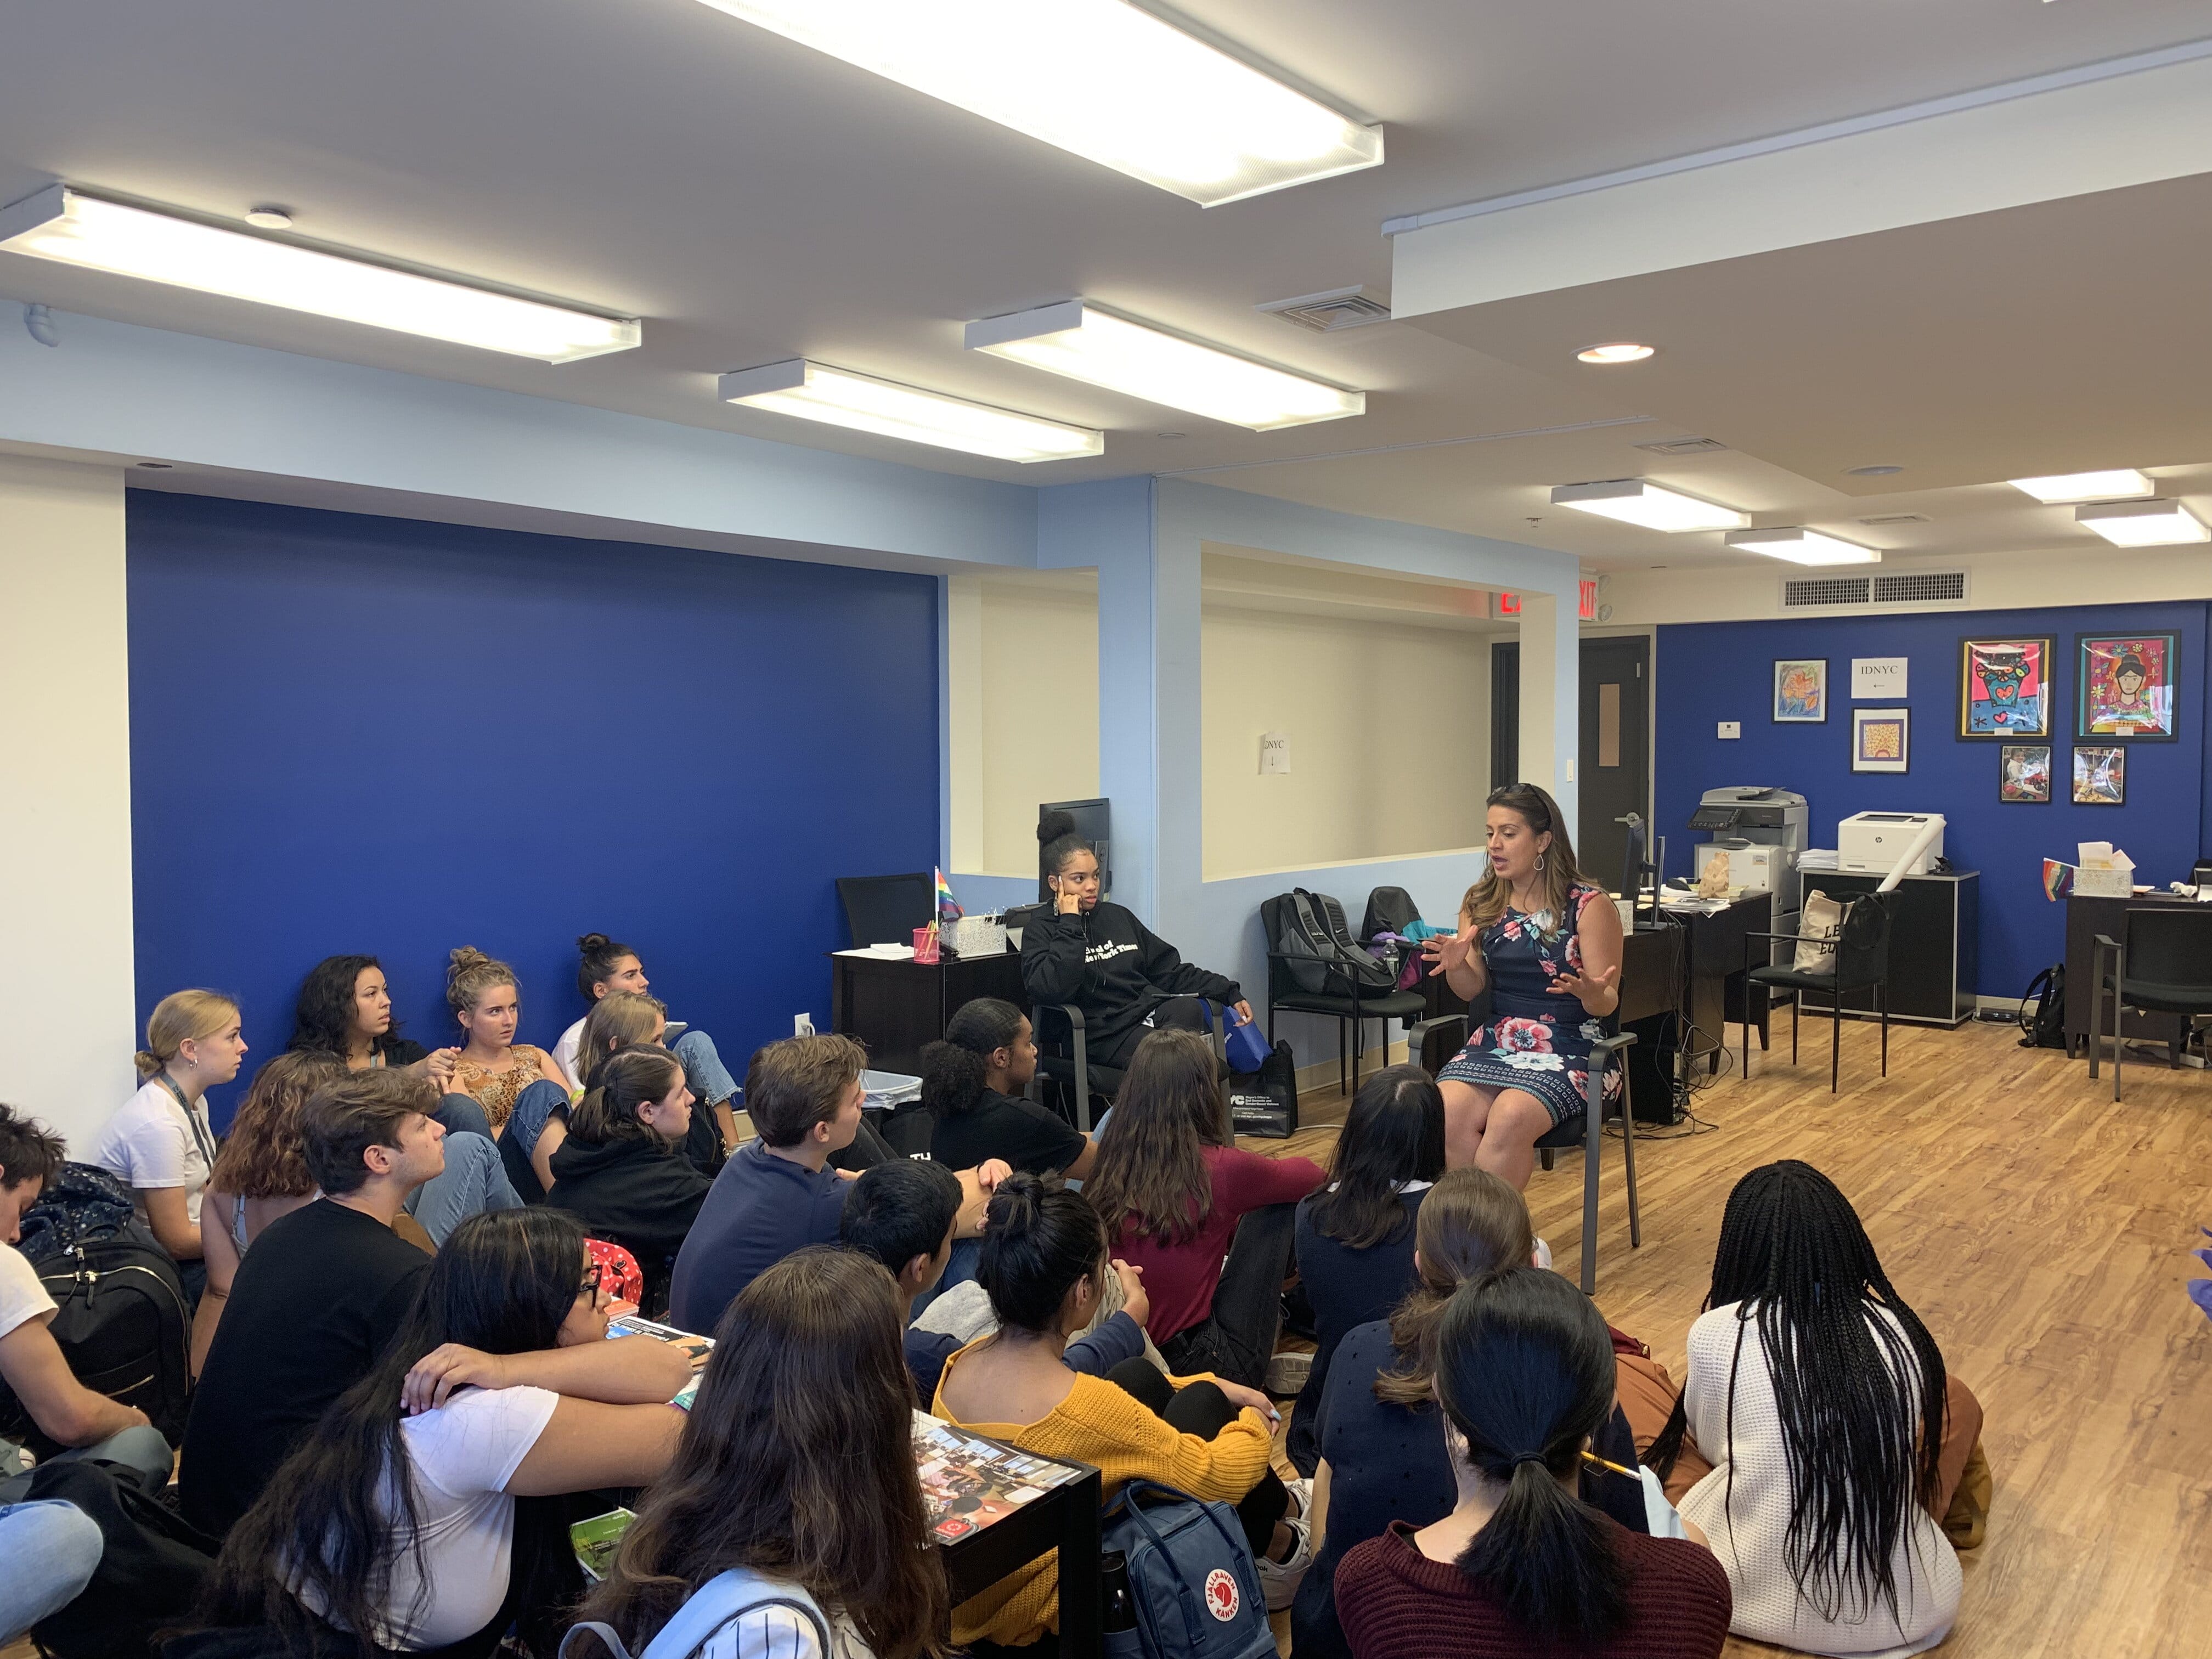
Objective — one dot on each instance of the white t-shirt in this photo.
(564, 1053)
(22, 1298)
(150, 1142)
(463, 1454)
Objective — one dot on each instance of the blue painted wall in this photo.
(352, 733)
(1715, 672)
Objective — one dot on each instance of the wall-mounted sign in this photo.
(1876, 679)
(1588, 609)
(1505, 604)
(1274, 752)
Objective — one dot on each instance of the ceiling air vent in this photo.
(1904, 588)
(1921, 587)
(1684, 447)
(1801, 591)
(1880, 518)
(1331, 313)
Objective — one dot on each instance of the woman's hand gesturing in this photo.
(1448, 952)
(1594, 991)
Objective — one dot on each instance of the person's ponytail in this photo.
(1525, 1372)
(952, 1079)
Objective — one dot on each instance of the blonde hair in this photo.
(1473, 1223)
(617, 1020)
(470, 973)
(179, 1018)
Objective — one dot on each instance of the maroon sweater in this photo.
(1395, 1603)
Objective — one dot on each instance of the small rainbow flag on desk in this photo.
(2058, 879)
(948, 907)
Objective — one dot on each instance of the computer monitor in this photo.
(1092, 825)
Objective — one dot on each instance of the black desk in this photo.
(1934, 935)
(1065, 1519)
(897, 1007)
(1678, 976)
(2086, 918)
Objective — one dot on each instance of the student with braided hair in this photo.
(1820, 1398)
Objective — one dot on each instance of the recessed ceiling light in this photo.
(1633, 500)
(1619, 352)
(1103, 79)
(1883, 471)
(268, 218)
(1086, 341)
(838, 396)
(2144, 524)
(2120, 483)
(64, 225)
(1800, 546)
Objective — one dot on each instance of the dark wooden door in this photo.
(1615, 773)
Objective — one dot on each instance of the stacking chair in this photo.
(1341, 998)
(1432, 1042)
(1858, 960)
(2162, 963)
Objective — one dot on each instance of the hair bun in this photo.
(587, 943)
(1016, 1205)
(1053, 825)
(461, 960)
(146, 1062)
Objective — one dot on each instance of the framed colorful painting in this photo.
(2100, 774)
(2004, 687)
(1881, 739)
(2124, 686)
(2024, 774)
(1801, 690)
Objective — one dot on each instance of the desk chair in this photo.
(886, 909)
(1859, 960)
(1341, 998)
(2162, 963)
(1432, 1044)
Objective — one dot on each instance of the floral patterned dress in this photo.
(1535, 1042)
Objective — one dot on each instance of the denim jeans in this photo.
(52, 1550)
(141, 1449)
(709, 1079)
(474, 1179)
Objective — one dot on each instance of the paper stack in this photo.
(2103, 871)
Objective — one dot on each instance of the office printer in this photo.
(1872, 843)
(1753, 817)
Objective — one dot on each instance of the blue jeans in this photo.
(703, 1070)
(141, 1449)
(474, 1179)
(52, 1550)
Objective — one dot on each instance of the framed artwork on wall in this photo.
(2024, 774)
(2124, 686)
(2004, 687)
(1801, 690)
(2100, 776)
(1881, 739)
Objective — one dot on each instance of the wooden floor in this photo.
(2044, 1234)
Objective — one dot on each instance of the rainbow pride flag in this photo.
(2058, 879)
(948, 907)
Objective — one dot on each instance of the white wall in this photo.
(67, 1010)
(1389, 730)
(1039, 691)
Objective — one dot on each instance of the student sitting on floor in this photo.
(1523, 1370)
(796, 1469)
(493, 1068)
(970, 1083)
(1812, 1388)
(1355, 1237)
(160, 1142)
(906, 1214)
(405, 1517)
(320, 1297)
(605, 967)
(620, 1019)
(1173, 1188)
(778, 1194)
(345, 1009)
(48, 1550)
(260, 1174)
(1044, 1264)
(1382, 1457)
(619, 1170)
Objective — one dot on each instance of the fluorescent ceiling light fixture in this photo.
(1803, 547)
(1086, 343)
(1633, 500)
(2116, 485)
(2144, 524)
(1619, 352)
(1103, 79)
(838, 396)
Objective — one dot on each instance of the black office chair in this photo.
(886, 909)
(1858, 960)
(1340, 997)
(2164, 967)
(1432, 1044)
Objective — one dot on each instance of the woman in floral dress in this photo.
(1546, 944)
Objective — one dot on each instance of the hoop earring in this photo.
(1540, 864)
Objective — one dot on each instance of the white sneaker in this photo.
(1287, 1373)
(1301, 1491)
(1279, 1580)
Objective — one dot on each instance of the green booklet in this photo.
(595, 1539)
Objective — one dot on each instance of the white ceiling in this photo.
(755, 201)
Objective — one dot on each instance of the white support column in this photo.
(1550, 695)
(964, 722)
(67, 965)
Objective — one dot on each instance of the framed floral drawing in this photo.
(1881, 739)
(2004, 687)
(2124, 686)
(2024, 774)
(2100, 774)
(1801, 690)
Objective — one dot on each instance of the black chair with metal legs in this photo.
(1858, 960)
(1064, 1054)
(2161, 964)
(1587, 1132)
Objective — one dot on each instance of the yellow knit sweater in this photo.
(1100, 1424)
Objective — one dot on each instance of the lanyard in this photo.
(199, 1135)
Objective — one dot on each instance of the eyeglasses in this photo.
(594, 1281)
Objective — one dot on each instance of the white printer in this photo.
(1871, 842)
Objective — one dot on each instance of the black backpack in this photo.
(1359, 971)
(1299, 926)
(2044, 1025)
(120, 1318)
(152, 1565)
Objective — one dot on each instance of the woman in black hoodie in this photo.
(1126, 980)
(620, 1172)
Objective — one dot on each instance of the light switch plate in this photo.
(1731, 728)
